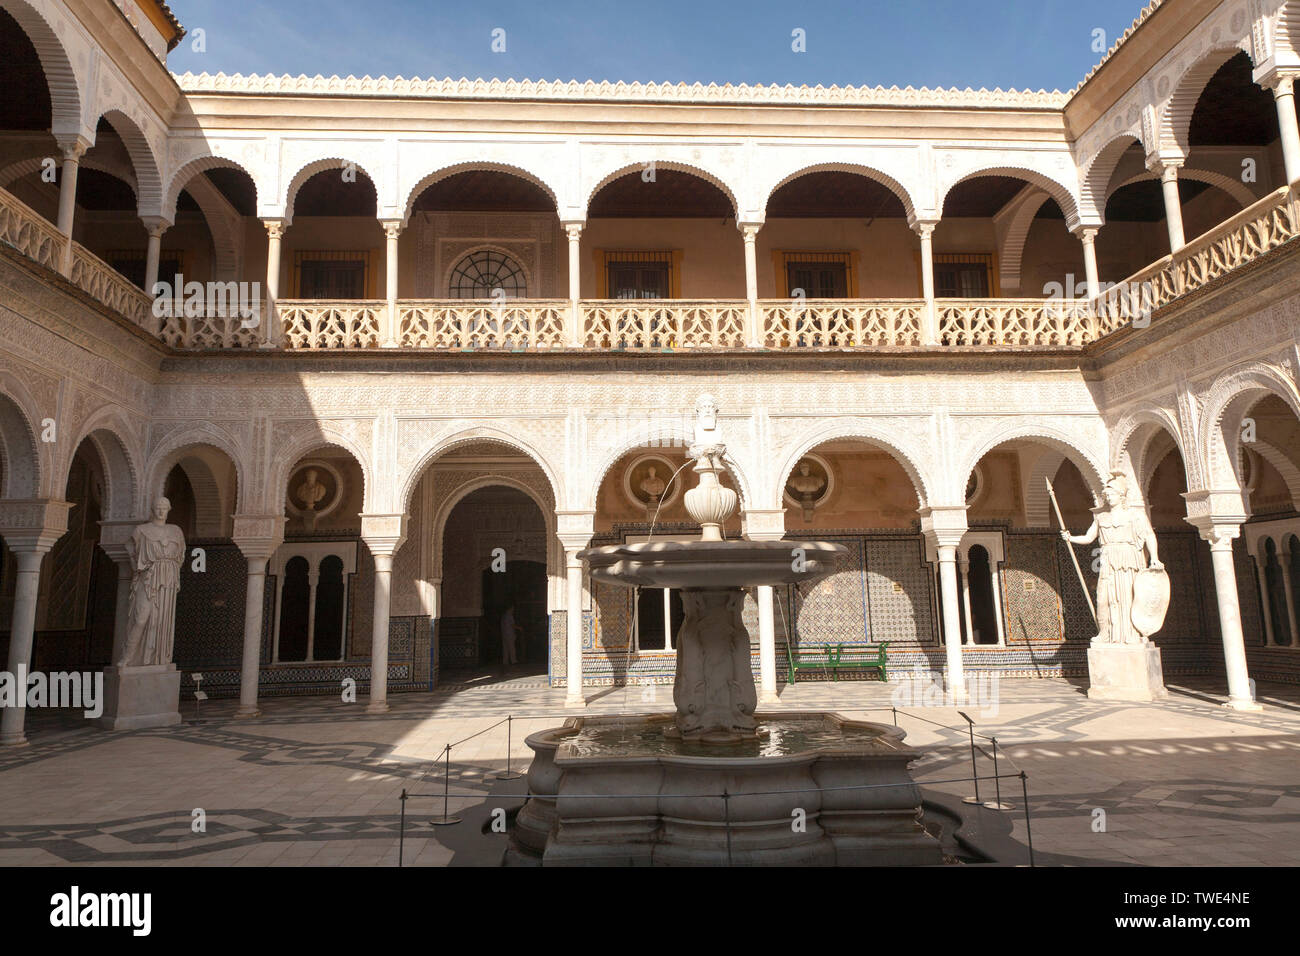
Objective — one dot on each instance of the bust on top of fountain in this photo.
(709, 503)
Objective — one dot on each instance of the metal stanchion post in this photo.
(1029, 834)
(726, 815)
(895, 710)
(509, 774)
(996, 803)
(401, 832)
(446, 820)
(974, 769)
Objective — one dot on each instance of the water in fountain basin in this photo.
(784, 736)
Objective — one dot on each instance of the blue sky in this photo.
(1007, 43)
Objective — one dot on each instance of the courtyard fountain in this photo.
(718, 781)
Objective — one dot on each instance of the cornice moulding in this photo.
(589, 90)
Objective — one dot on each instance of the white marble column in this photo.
(251, 662)
(997, 600)
(1284, 559)
(930, 321)
(1284, 98)
(1225, 589)
(257, 537)
(313, 578)
(391, 333)
(574, 231)
(73, 149)
(963, 565)
(155, 226)
(383, 534)
(766, 645)
(1088, 239)
(944, 527)
(1265, 605)
(270, 323)
(26, 590)
(749, 233)
(956, 682)
(573, 696)
(1173, 205)
(31, 528)
(379, 635)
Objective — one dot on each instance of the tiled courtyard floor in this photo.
(316, 781)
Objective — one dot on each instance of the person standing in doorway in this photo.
(509, 632)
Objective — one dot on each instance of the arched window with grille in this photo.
(479, 274)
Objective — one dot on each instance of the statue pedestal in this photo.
(1125, 672)
(139, 697)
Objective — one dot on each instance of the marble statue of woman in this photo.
(1128, 551)
(155, 550)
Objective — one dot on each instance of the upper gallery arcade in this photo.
(476, 311)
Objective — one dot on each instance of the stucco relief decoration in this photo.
(315, 490)
(809, 485)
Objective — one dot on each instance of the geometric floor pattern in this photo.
(314, 781)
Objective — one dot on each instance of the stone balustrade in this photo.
(679, 324)
(482, 324)
(840, 323)
(1255, 231)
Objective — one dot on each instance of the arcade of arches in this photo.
(363, 500)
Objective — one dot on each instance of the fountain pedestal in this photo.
(714, 687)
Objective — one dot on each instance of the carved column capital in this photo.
(383, 534)
(33, 524)
(258, 536)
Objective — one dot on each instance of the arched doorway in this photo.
(494, 547)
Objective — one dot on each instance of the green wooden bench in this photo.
(872, 657)
(817, 657)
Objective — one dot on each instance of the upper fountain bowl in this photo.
(711, 565)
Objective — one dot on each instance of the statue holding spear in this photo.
(1132, 586)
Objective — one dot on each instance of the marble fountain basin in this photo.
(713, 565)
(621, 791)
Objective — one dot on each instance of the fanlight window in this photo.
(481, 273)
